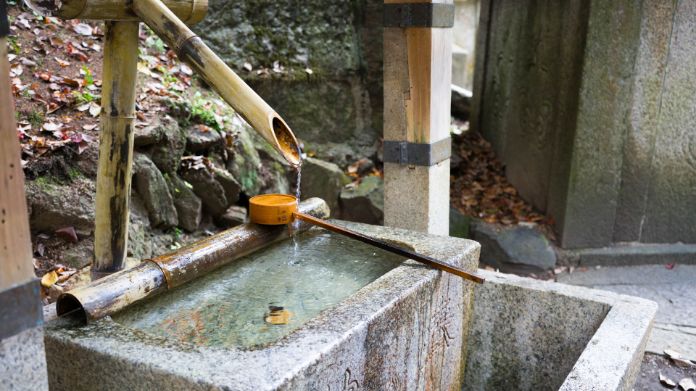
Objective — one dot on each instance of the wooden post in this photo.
(417, 93)
(15, 241)
(115, 147)
(21, 337)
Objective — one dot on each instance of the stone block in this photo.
(324, 180)
(594, 118)
(365, 202)
(189, 207)
(54, 205)
(513, 249)
(150, 184)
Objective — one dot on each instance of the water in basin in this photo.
(228, 307)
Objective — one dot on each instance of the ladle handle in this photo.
(391, 248)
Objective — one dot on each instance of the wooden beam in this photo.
(15, 242)
(115, 147)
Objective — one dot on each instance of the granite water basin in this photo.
(383, 323)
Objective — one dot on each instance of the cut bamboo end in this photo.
(286, 142)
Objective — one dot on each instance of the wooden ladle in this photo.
(281, 209)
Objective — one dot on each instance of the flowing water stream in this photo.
(228, 307)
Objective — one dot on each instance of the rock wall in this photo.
(318, 63)
(590, 105)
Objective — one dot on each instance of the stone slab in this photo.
(23, 362)
(403, 331)
(537, 335)
(681, 339)
(626, 254)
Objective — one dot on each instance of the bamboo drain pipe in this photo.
(153, 276)
(191, 49)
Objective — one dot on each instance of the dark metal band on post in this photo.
(4, 23)
(405, 153)
(404, 15)
(117, 291)
(20, 308)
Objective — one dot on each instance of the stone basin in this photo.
(405, 330)
(528, 334)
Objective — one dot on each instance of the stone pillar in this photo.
(590, 105)
(22, 359)
(417, 92)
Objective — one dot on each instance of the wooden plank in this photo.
(15, 242)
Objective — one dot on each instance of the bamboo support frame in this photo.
(115, 147)
(115, 292)
(190, 11)
(228, 84)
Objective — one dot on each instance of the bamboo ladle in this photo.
(280, 209)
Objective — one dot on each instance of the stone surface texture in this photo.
(513, 249)
(406, 330)
(23, 362)
(536, 335)
(590, 106)
(320, 65)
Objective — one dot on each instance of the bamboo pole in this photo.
(228, 84)
(190, 11)
(115, 292)
(115, 147)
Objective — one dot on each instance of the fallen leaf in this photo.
(278, 316)
(68, 234)
(667, 382)
(51, 127)
(670, 266)
(49, 279)
(248, 66)
(83, 29)
(62, 63)
(687, 384)
(94, 109)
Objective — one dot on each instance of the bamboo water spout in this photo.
(228, 84)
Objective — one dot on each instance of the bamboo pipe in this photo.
(228, 84)
(153, 276)
(115, 147)
(190, 11)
